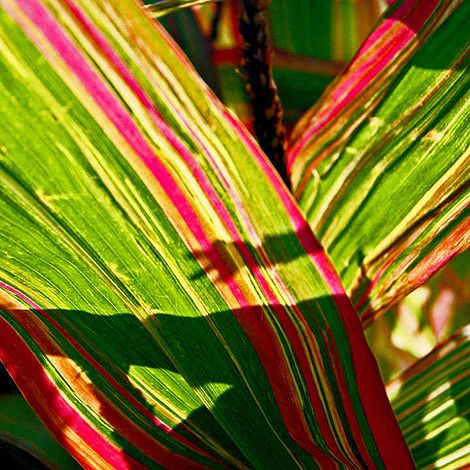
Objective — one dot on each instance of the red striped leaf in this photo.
(163, 301)
(380, 164)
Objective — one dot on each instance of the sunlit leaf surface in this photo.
(432, 403)
(163, 302)
(381, 165)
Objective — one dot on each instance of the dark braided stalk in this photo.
(256, 62)
(216, 21)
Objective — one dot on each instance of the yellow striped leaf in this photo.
(432, 403)
(163, 301)
(380, 165)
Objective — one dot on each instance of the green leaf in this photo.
(380, 166)
(432, 403)
(19, 426)
(163, 302)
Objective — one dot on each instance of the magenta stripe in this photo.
(123, 122)
(58, 406)
(158, 451)
(408, 19)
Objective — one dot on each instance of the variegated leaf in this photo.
(164, 303)
(380, 165)
(432, 403)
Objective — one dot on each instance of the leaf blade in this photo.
(362, 169)
(128, 181)
(431, 402)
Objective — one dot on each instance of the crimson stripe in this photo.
(38, 390)
(155, 450)
(270, 352)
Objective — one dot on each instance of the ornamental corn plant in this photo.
(170, 298)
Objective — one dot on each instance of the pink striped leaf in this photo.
(163, 301)
(380, 165)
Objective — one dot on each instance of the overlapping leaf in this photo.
(381, 165)
(432, 403)
(163, 302)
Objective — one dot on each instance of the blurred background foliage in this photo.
(424, 319)
(312, 40)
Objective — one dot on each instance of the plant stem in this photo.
(216, 21)
(256, 62)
